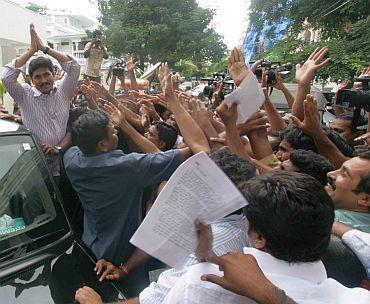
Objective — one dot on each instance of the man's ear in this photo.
(102, 146)
(363, 199)
(161, 145)
(259, 242)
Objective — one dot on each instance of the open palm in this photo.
(305, 73)
(237, 67)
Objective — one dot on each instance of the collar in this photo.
(313, 272)
(37, 93)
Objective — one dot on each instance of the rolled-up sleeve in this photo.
(359, 242)
(69, 84)
(11, 84)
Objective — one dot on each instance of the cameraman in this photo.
(95, 52)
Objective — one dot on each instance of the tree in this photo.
(36, 8)
(164, 30)
(343, 27)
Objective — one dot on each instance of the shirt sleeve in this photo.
(156, 167)
(359, 242)
(271, 160)
(69, 83)
(87, 46)
(11, 84)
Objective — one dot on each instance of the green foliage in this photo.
(349, 48)
(2, 90)
(36, 8)
(163, 30)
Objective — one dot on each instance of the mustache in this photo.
(45, 84)
(331, 182)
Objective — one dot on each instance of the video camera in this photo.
(227, 85)
(358, 98)
(273, 69)
(119, 68)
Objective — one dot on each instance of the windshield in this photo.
(29, 206)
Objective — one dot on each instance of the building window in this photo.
(66, 20)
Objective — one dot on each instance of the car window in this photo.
(26, 192)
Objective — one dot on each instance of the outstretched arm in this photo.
(304, 75)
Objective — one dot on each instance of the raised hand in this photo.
(116, 114)
(90, 95)
(228, 115)
(59, 74)
(237, 67)
(310, 124)
(279, 83)
(365, 138)
(163, 73)
(304, 74)
(34, 46)
(130, 65)
(257, 122)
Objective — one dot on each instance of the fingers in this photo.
(313, 54)
(320, 54)
(325, 62)
(255, 66)
(363, 137)
(240, 55)
(107, 271)
(214, 279)
(296, 121)
(219, 140)
(99, 266)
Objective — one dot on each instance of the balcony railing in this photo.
(78, 54)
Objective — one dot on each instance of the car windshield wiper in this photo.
(20, 249)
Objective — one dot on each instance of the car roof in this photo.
(278, 99)
(8, 126)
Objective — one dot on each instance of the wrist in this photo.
(273, 295)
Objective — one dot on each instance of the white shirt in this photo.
(359, 242)
(229, 235)
(304, 283)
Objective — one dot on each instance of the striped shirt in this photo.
(45, 115)
(229, 235)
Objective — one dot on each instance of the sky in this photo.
(230, 15)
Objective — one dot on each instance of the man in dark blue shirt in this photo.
(110, 183)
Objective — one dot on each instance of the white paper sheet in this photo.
(250, 97)
(198, 189)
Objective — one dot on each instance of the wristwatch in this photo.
(46, 50)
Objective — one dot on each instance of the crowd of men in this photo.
(304, 236)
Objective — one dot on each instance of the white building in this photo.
(67, 32)
(14, 29)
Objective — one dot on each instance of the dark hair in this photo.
(339, 142)
(297, 139)
(342, 264)
(90, 128)
(293, 212)
(40, 62)
(237, 169)
(97, 33)
(364, 184)
(159, 108)
(311, 163)
(167, 133)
